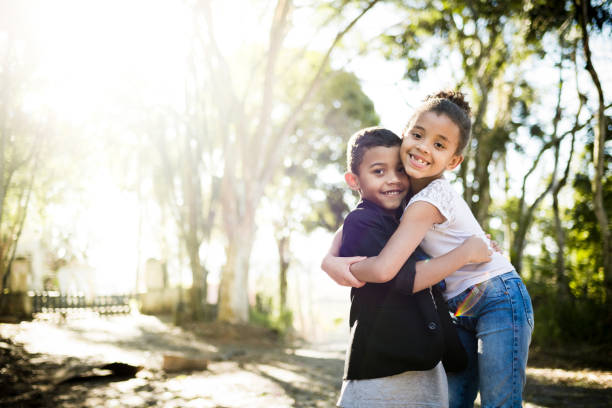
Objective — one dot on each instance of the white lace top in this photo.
(459, 225)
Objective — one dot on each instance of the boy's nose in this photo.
(394, 178)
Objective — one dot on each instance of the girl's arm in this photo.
(432, 271)
(417, 219)
(338, 268)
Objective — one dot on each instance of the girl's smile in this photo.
(429, 147)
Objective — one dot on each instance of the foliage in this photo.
(549, 15)
(21, 136)
(265, 315)
(303, 199)
(585, 315)
(483, 50)
(318, 147)
(490, 46)
(269, 121)
(256, 119)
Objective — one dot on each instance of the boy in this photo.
(400, 331)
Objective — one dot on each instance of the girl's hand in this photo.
(495, 245)
(476, 249)
(338, 268)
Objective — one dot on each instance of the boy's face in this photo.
(381, 179)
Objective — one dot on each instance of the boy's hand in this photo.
(338, 268)
(476, 250)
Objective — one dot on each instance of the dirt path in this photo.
(247, 368)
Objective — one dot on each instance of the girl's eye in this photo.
(416, 135)
(378, 172)
(439, 145)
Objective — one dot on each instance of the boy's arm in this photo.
(338, 267)
(417, 219)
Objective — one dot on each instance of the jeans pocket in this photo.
(526, 303)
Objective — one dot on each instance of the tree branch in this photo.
(276, 141)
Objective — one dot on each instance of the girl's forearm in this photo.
(433, 270)
(472, 250)
(369, 271)
(382, 268)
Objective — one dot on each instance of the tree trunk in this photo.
(233, 290)
(598, 155)
(239, 206)
(481, 156)
(283, 267)
(197, 295)
(481, 207)
(563, 289)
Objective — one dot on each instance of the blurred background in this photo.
(189, 155)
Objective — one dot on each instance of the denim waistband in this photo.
(508, 275)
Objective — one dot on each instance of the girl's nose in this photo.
(422, 146)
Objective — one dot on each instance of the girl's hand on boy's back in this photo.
(338, 268)
(477, 250)
(495, 245)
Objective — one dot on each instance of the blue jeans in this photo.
(496, 333)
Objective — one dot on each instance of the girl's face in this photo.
(429, 146)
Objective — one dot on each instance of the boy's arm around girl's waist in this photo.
(365, 233)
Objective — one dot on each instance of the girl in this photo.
(493, 308)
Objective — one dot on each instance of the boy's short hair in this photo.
(365, 139)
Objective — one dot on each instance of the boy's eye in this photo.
(416, 135)
(378, 172)
(439, 145)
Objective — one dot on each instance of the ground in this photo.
(247, 367)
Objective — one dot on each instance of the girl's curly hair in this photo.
(452, 104)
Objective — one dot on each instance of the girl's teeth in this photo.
(419, 160)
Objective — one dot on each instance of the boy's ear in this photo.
(455, 161)
(352, 180)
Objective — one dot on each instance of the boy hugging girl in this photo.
(405, 350)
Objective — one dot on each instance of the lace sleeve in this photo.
(438, 193)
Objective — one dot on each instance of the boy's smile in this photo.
(429, 147)
(381, 179)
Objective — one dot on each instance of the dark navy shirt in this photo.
(365, 232)
(392, 329)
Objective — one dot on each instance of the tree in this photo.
(492, 59)
(184, 185)
(339, 108)
(255, 139)
(588, 17)
(485, 38)
(524, 213)
(21, 137)
(600, 139)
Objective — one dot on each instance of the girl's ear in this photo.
(455, 161)
(352, 180)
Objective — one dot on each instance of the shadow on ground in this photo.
(248, 367)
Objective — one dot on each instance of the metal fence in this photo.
(56, 302)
